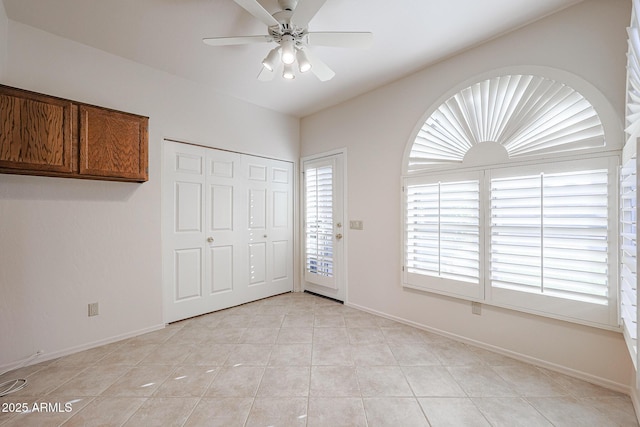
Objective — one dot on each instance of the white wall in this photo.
(65, 243)
(4, 34)
(588, 40)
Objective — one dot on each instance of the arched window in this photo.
(506, 203)
(524, 114)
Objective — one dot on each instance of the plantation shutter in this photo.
(527, 115)
(442, 234)
(628, 193)
(551, 238)
(319, 194)
(628, 255)
(516, 235)
(575, 233)
(549, 234)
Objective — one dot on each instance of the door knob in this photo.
(265, 236)
(210, 239)
(338, 236)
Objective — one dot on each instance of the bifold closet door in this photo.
(227, 229)
(269, 223)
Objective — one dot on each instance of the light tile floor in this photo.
(296, 360)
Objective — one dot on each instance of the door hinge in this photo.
(403, 188)
(403, 268)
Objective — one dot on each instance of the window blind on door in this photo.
(319, 220)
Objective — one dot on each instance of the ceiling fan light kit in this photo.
(289, 29)
(271, 61)
(288, 46)
(303, 62)
(288, 72)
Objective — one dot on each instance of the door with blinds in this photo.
(322, 181)
(227, 229)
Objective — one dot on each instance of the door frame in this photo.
(343, 273)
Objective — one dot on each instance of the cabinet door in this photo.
(35, 132)
(113, 144)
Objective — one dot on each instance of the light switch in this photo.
(356, 224)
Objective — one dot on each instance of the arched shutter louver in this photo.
(525, 114)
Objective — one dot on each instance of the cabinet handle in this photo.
(338, 236)
(265, 236)
(210, 239)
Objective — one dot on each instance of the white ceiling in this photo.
(166, 34)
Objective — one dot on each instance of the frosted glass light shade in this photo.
(288, 50)
(271, 61)
(303, 62)
(288, 72)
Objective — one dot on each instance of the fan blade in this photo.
(266, 75)
(305, 11)
(229, 41)
(259, 12)
(318, 67)
(340, 39)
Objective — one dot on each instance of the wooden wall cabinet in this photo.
(44, 135)
(35, 132)
(112, 144)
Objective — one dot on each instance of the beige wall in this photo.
(587, 40)
(4, 34)
(65, 243)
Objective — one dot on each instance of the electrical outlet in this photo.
(93, 309)
(476, 308)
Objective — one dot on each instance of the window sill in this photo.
(505, 301)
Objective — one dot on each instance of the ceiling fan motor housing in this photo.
(289, 5)
(286, 28)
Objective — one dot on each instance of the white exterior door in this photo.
(324, 226)
(227, 229)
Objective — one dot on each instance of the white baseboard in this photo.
(603, 382)
(635, 399)
(46, 356)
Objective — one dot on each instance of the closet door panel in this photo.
(228, 238)
(183, 231)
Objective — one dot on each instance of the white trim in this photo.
(44, 357)
(546, 160)
(297, 221)
(603, 382)
(635, 400)
(215, 147)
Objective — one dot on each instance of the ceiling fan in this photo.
(288, 28)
